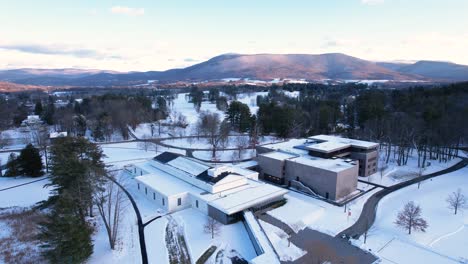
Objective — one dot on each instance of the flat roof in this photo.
(352, 142)
(335, 165)
(229, 201)
(279, 155)
(328, 146)
(289, 146)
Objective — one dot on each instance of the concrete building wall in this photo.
(321, 181)
(346, 182)
(368, 162)
(273, 167)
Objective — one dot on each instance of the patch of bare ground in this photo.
(18, 235)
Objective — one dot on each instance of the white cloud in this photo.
(372, 2)
(129, 11)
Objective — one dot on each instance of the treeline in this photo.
(427, 120)
(431, 122)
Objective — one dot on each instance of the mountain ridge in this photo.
(264, 66)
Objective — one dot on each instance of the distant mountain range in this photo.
(266, 67)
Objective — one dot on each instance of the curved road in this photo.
(367, 217)
(141, 225)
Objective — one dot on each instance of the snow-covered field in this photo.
(202, 143)
(120, 154)
(24, 196)
(395, 174)
(445, 240)
(225, 155)
(279, 239)
(302, 211)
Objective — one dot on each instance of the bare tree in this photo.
(3, 140)
(212, 227)
(217, 132)
(40, 138)
(144, 144)
(456, 201)
(419, 174)
(242, 143)
(382, 169)
(370, 230)
(410, 218)
(111, 205)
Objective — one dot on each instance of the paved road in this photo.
(141, 227)
(367, 217)
(321, 247)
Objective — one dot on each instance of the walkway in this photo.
(321, 247)
(367, 217)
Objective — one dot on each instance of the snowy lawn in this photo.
(446, 234)
(23, 196)
(231, 237)
(395, 174)
(183, 106)
(129, 152)
(302, 211)
(120, 154)
(202, 143)
(155, 234)
(127, 248)
(226, 155)
(279, 239)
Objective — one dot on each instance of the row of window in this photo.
(179, 200)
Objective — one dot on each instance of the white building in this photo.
(176, 182)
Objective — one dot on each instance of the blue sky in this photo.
(158, 35)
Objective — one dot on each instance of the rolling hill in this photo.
(332, 66)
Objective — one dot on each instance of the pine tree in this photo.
(38, 109)
(77, 174)
(12, 166)
(66, 237)
(30, 162)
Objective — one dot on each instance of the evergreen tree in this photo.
(67, 239)
(12, 166)
(48, 114)
(30, 162)
(238, 115)
(38, 109)
(77, 174)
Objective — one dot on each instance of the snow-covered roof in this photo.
(242, 194)
(341, 140)
(335, 165)
(279, 155)
(328, 146)
(244, 197)
(58, 134)
(288, 146)
(190, 166)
